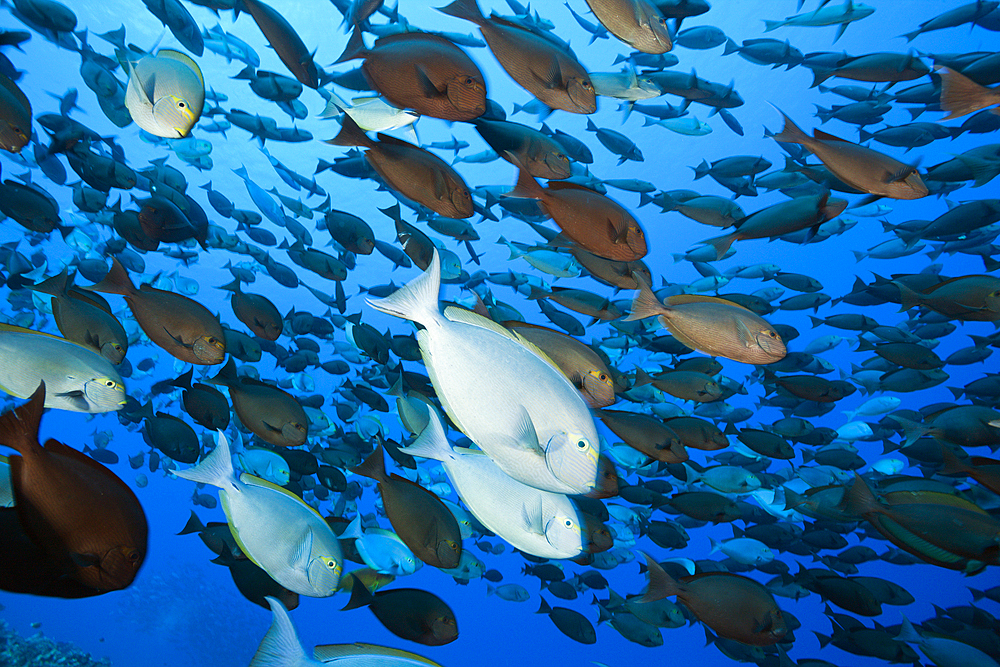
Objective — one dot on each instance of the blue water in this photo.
(183, 610)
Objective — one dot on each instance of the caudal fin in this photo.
(418, 299)
(960, 95)
(215, 469)
(280, 646)
(661, 584)
(432, 442)
(645, 303)
(116, 282)
(19, 427)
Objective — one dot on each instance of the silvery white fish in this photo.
(280, 533)
(76, 378)
(373, 114)
(537, 522)
(529, 418)
(165, 93)
(745, 550)
(265, 464)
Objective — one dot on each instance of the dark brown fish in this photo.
(423, 72)
(735, 607)
(271, 413)
(594, 222)
(411, 171)
(71, 506)
(422, 521)
(83, 322)
(256, 311)
(646, 434)
(410, 613)
(541, 155)
(284, 40)
(181, 326)
(15, 116)
(544, 68)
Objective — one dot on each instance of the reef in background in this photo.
(40, 651)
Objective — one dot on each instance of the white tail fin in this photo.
(215, 469)
(418, 299)
(280, 646)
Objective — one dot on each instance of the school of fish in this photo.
(411, 424)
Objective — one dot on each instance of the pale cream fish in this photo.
(165, 93)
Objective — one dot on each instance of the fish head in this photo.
(598, 388)
(572, 459)
(209, 349)
(12, 136)
(105, 394)
(770, 342)
(461, 199)
(174, 116)
(467, 93)
(111, 571)
(449, 553)
(771, 628)
(581, 94)
(557, 164)
(564, 533)
(113, 352)
(294, 433)
(443, 628)
(323, 574)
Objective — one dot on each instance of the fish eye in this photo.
(181, 105)
(772, 334)
(568, 523)
(132, 555)
(331, 565)
(582, 444)
(110, 383)
(587, 85)
(637, 231)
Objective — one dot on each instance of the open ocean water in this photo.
(182, 609)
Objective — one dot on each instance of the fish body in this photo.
(165, 93)
(547, 70)
(537, 522)
(269, 412)
(284, 40)
(858, 166)
(181, 326)
(77, 378)
(273, 527)
(638, 23)
(539, 431)
(423, 72)
(72, 507)
(15, 116)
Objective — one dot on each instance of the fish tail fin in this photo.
(908, 298)
(373, 467)
(360, 595)
(911, 35)
(790, 133)
(418, 299)
(661, 584)
(335, 106)
(57, 285)
(432, 443)
(280, 646)
(772, 25)
(731, 47)
(227, 374)
(514, 252)
(464, 9)
(952, 464)
(819, 76)
(350, 134)
(116, 282)
(721, 244)
(19, 427)
(355, 48)
(907, 633)
(960, 95)
(977, 594)
(194, 525)
(645, 303)
(859, 499)
(527, 187)
(215, 469)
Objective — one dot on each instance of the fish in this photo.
(85, 319)
(181, 326)
(15, 116)
(165, 93)
(734, 606)
(420, 519)
(638, 23)
(409, 613)
(537, 522)
(423, 72)
(73, 508)
(284, 40)
(547, 70)
(541, 433)
(79, 379)
(961, 95)
(280, 533)
(859, 166)
(413, 172)
(711, 325)
(271, 413)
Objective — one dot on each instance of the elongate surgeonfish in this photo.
(15, 116)
(529, 418)
(79, 513)
(78, 378)
(419, 517)
(165, 93)
(410, 613)
(540, 523)
(711, 325)
(181, 326)
(283, 39)
(271, 413)
(273, 526)
(734, 606)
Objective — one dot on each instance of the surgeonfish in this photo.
(273, 526)
(538, 430)
(165, 93)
